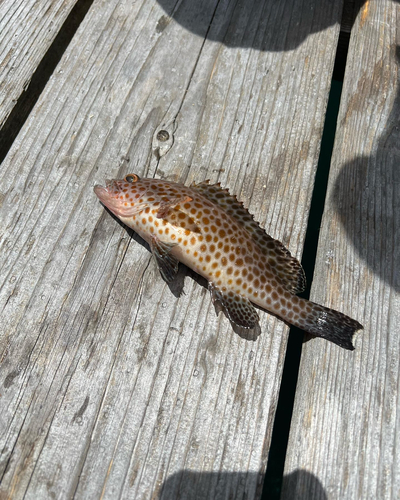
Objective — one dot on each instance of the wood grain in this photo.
(113, 384)
(27, 29)
(346, 423)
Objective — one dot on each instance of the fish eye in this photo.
(131, 178)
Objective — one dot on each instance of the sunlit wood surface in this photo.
(346, 423)
(116, 385)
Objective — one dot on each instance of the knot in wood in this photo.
(162, 136)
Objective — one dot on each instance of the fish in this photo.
(207, 229)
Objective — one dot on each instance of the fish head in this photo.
(123, 197)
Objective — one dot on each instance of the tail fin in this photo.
(330, 324)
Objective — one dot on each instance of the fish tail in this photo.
(329, 324)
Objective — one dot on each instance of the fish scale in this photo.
(210, 231)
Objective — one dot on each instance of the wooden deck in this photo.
(115, 385)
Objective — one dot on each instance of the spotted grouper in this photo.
(210, 231)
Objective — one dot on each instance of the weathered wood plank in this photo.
(27, 29)
(346, 424)
(112, 385)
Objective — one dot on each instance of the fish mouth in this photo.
(108, 195)
(111, 189)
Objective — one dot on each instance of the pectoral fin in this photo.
(239, 310)
(166, 205)
(172, 212)
(167, 264)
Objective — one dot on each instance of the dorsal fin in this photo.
(286, 267)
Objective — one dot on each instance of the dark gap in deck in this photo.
(280, 433)
(41, 76)
(341, 56)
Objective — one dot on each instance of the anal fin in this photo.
(167, 264)
(239, 310)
